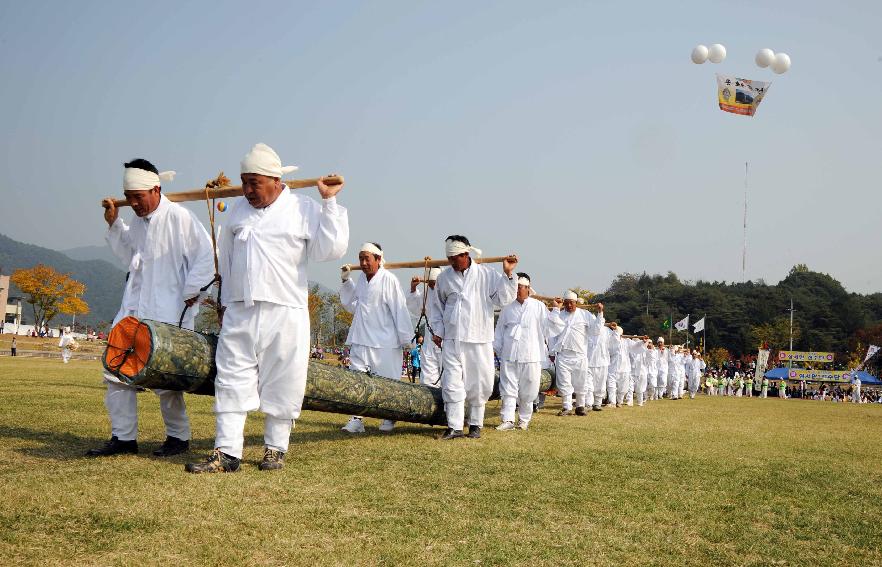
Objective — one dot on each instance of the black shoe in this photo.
(580, 410)
(272, 460)
(216, 462)
(114, 447)
(596, 408)
(474, 432)
(451, 433)
(564, 412)
(172, 446)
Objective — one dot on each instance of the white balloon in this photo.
(716, 53)
(764, 57)
(699, 54)
(781, 63)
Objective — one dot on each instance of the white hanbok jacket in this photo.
(169, 259)
(522, 330)
(381, 319)
(264, 252)
(467, 301)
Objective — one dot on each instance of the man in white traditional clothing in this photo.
(695, 373)
(430, 353)
(685, 371)
(639, 370)
(597, 360)
(263, 348)
(619, 365)
(463, 328)
(661, 379)
(856, 388)
(651, 370)
(521, 331)
(381, 325)
(570, 350)
(675, 367)
(66, 343)
(170, 262)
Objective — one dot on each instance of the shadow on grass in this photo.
(68, 446)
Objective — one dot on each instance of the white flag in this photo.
(698, 326)
(870, 352)
(682, 325)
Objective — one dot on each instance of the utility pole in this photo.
(647, 302)
(791, 322)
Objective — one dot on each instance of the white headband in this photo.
(434, 273)
(370, 248)
(455, 248)
(263, 160)
(570, 295)
(524, 282)
(135, 179)
(620, 331)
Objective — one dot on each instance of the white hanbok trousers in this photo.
(856, 394)
(571, 375)
(262, 359)
(518, 386)
(385, 362)
(640, 387)
(661, 381)
(694, 381)
(121, 402)
(597, 384)
(467, 379)
(65, 355)
(430, 365)
(618, 386)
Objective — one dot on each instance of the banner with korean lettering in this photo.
(800, 356)
(819, 375)
(762, 360)
(740, 96)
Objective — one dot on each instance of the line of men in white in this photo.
(593, 359)
(263, 350)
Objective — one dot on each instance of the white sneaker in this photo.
(355, 425)
(505, 426)
(386, 425)
(630, 403)
(523, 425)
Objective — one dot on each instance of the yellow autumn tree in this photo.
(49, 292)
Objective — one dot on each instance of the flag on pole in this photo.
(682, 325)
(667, 324)
(871, 352)
(698, 326)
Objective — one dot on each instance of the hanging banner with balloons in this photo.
(740, 96)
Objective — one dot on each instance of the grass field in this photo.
(713, 481)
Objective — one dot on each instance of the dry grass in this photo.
(714, 481)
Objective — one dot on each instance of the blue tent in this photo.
(866, 378)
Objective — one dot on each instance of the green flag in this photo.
(667, 324)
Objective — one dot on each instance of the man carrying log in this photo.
(263, 348)
(381, 324)
(170, 260)
(519, 341)
(570, 349)
(430, 353)
(467, 294)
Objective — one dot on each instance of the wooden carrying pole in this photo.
(224, 192)
(429, 263)
(547, 299)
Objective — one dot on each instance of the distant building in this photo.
(12, 305)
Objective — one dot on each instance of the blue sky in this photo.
(577, 134)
